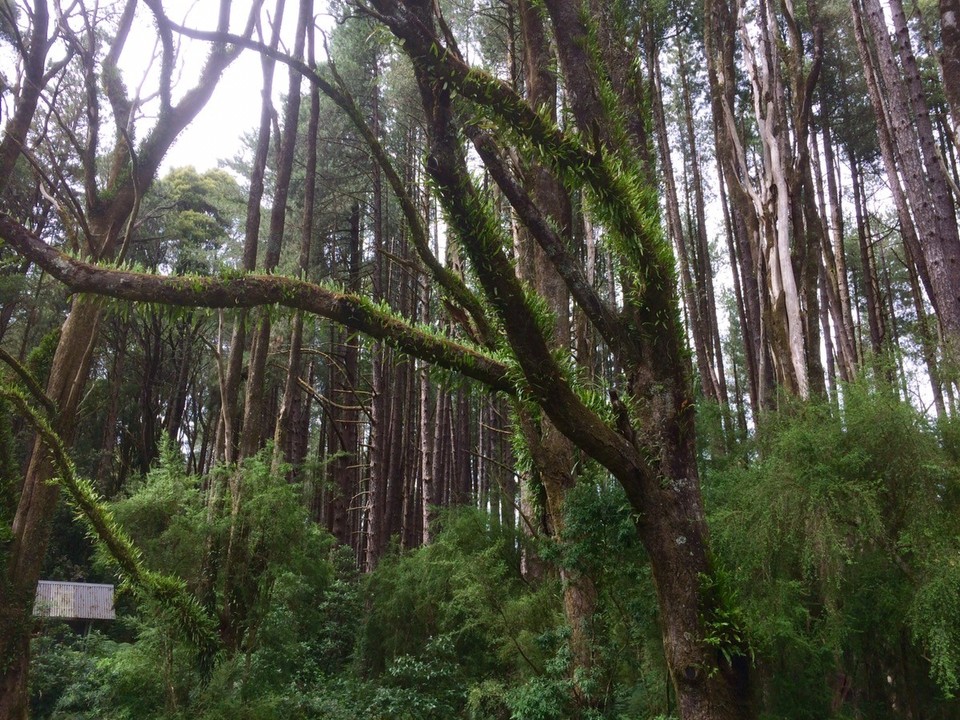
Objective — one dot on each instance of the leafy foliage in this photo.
(840, 539)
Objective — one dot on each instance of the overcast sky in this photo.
(234, 108)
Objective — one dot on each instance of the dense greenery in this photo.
(836, 531)
(532, 359)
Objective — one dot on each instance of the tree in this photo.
(101, 224)
(644, 433)
(910, 152)
(547, 293)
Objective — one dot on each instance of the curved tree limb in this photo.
(623, 201)
(481, 236)
(34, 57)
(353, 311)
(31, 383)
(600, 314)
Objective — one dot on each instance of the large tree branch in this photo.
(481, 236)
(17, 128)
(617, 191)
(172, 122)
(352, 311)
(622, 206)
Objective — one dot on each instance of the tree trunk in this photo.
(834, 258)
(870, 285)
(31, 85)
(698, 325)
(763, 221)
(904, 109)
(254, 421)
(38, 497)
(292, 393)
(344, 417)
(108, 443)
(109, 210)
(950, 58)
(704, 268)
(553, 453)
(232, 443)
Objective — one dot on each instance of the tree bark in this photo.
(834, 255)
(903, 107)
(31, 85)
(950, 58)
(763, 222)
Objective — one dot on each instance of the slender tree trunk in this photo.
(344, 419)
(106, 481)
(704, 269)
(234, 366)
(188, 331)
(744, 283)
(870, 284)
(950, 58)
(15, 132)
(291, 393)
(38, 497)
(428, 426)
(698, 324)
(927, 341)
(835, 275)
(904, 108)
(254, 420)
(829, 351)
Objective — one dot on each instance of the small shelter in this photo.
(74, 601)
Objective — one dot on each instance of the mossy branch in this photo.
(621, 200)
(481, 236)
(600, 314)
(32, 384)
(248, 290)
(338, 93)
(170, 592)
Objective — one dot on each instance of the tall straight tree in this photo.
(287, 444)
(950, 59)
(229, 435)
(778, 223)
(900, 105)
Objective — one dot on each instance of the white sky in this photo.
(234, 108)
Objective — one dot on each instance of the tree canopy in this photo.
(530, 359)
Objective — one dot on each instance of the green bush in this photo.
(840, 537)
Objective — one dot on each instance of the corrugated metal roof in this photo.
(74, 601)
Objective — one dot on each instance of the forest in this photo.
(528, 360)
